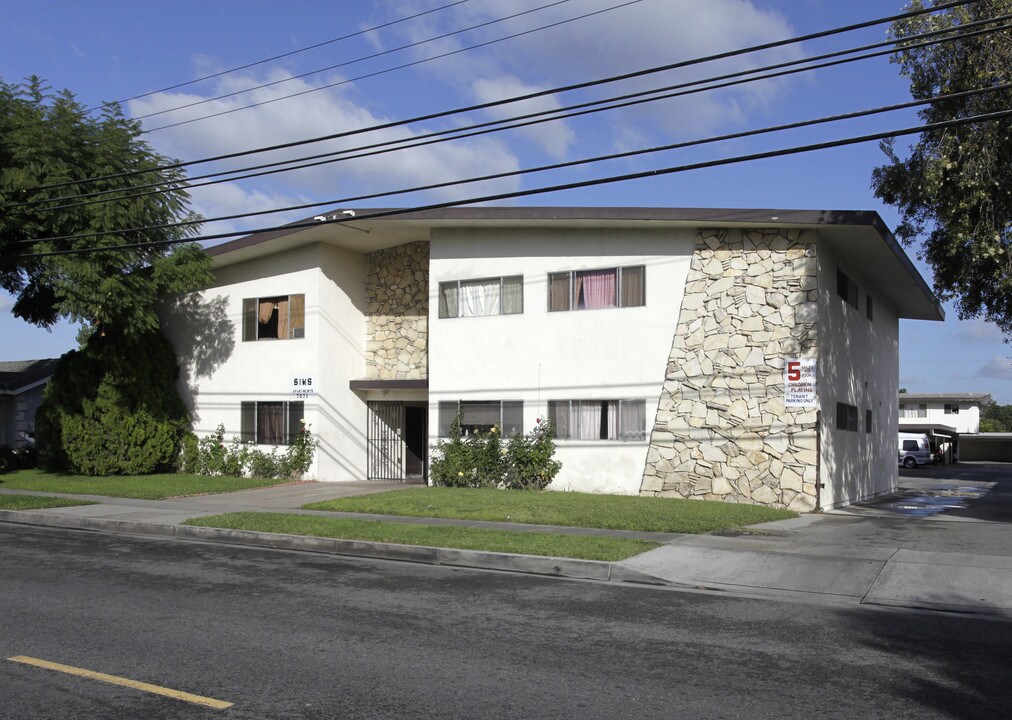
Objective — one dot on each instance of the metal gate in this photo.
(385, 441)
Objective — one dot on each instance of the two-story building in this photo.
(739, 355)
(943, 417)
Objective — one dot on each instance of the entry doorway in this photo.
(397, 440)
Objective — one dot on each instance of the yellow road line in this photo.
(125, 682)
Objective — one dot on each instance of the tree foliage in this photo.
(47, 139)
(112, 408)
(996, 418)
(954, 190)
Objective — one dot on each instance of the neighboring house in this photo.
(655, 339)
(21, 386)
(943, 417)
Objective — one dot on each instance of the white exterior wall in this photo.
(537, 356)
(967, 421)
(858, 364)
(332, 352)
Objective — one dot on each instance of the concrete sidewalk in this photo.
(865, 554)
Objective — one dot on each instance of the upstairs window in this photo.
(478, 298)
(867, 421)
(869, 308)
(596, 289)
(598, 419)
(846, 417)
(846, 288)
(271, 423)
(913, 411)
(952, 408)
(274, 318)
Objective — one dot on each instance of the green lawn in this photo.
(36, 502)
(526, 543)
(619, 512)
(147, 487)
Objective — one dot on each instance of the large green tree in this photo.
(954, 188)
(47, 139)
(113, 406)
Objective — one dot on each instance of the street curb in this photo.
(450, 557)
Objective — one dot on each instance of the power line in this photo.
(526, 171)
(520, 98)
(392, 69)
(341, 64)
(986, 117)
(556, 113)
(294, 52)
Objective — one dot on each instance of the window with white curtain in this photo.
(482, 297)
(598, 419)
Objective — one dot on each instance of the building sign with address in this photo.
(303, 386)
(799, 382)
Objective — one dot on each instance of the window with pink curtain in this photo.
(597, 289)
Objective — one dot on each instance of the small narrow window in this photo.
(846, 288)
(869, 307)
(846, 417)
(867, 421)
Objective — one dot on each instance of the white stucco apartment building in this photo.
(654, 338)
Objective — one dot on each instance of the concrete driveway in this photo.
(944, 541)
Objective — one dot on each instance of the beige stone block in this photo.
(805, 457)
(776, 468)
(755, 457)
(802, 503)
(790, 480)
(805, 266)
(764, 495)
(807, 312)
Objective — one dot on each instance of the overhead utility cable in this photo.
(340, 65)
(485, 128)
(987, 117)
(516, 98)
(543, 168)
(393, 68)
(314, 46)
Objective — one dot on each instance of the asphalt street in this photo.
(295, 635)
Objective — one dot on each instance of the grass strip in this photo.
(37, 502)
(145, 487)
(614, 512)
(582, 547)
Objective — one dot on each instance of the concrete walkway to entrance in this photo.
(951, 550)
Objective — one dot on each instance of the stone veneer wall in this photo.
(397, 312)
(722, 431)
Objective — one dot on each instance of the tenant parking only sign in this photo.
(799, 382)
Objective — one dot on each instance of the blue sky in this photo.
(118, 49)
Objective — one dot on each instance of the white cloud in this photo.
(998, 367)
(648, 34)
(979, 332)
(312, 114)
(553, 137)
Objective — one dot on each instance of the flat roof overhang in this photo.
(860, 236)
(377, 384)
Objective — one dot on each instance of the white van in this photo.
(914, 450)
